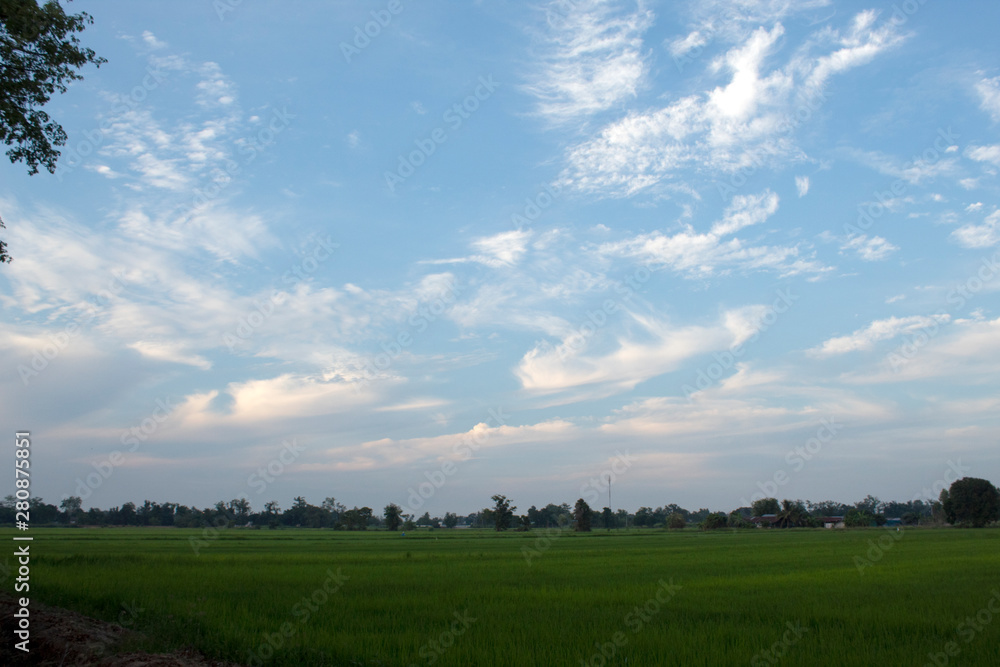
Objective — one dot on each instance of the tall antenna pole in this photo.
(610, 509)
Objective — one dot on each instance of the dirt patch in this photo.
(66, 638)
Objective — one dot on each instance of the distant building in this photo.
(764, 520)
(832, 521)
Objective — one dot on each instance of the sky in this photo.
(424, 253)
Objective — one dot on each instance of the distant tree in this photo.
(870, 504)
(644, 516)
(128, 515)
(425, 520)
(549, 516)
(714, 521)
(791, 514)
(582, 515)
(296, 514)
(356, 519)
(828, 508)
(972, 502)
(937, 508)
(334, 508)
(922, 508)
(393, 516)
(674, 508)
(271, 514)
(765, 506)
(525, 523)
(503, 511)
(895, 510)
(562, 512)
(71, 507)
(607, 518)
(240, 509)
(738, 519)
(96, 517)
(219, 516)
(856, 518)
(535, 516)
(910, 519)
(700, 515)
(450, 519)
(676, 521)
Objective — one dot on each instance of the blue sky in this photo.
(346, 249)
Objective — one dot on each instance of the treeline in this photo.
(969, 501)
(236, 512)
(870, 511)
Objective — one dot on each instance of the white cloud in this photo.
(746, 210)
(226, 234)
(746, 123)
(694, 254)
(171, 352)
(655, 349)
(151, 40)
(498, 251)
(215, 88)
(802, 185)
(292, 395)
(914, 172)
(989, 153)
(964, 353)
(456, 447)
(739, 99)
(869, 249)
(989, 96)
(682, 45)
(504, 249)
(878, 330)
(592, 58)
(979, 236)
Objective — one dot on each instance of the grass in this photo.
(274, 594)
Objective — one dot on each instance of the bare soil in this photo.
(60, 637)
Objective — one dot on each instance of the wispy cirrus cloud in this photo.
(913, 171)
(748, 120)
(879, 330)
(700, 254)
(548, 368)
(497, 251)
(591, 58)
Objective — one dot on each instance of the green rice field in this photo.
(755, 597)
